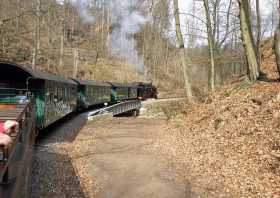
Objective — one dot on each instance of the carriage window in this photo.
(67, 93)
(48, 95)
(51, 94)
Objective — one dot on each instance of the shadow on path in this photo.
(53, 175)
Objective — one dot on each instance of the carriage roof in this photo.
(115, 84)
(36, 74)
(91, 82)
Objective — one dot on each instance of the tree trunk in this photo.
(61, 51)
(102, 26)
(277, 47)
(36, 34)
(49, 35)
(211, 44)
(76, 63)
(248, 41)
(259, 32)
(258, 43)
(182, 51)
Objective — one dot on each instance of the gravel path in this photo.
(53, 173)
(109, 158)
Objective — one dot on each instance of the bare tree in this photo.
(259, 32)
(248, 40)
(182, 51)
(36, 33)
(211, 44)
(258, 40)
(277, 43)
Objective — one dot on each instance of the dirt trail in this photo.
(109, 158)
(123, 164)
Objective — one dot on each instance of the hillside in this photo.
(268, 59)
(229, 145)
(107, 44)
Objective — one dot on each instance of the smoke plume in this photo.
(83, 7)
(126, 22)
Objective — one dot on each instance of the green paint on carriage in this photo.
(60, 100)
(118, 94)
(40, 107)
(92, 93)
(81, 98)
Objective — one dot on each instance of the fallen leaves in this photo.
(229, 147)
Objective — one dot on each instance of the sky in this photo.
(185, 5)
(265, 5)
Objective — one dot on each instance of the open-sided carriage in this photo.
(54, 97)
(15, 161)
(35, 100)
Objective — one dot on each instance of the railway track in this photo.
(163, 100)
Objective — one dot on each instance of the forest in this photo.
(127, 40)
(221, 56)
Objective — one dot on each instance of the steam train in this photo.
(55, 96)
(36, 100)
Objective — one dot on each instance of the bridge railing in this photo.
(118, 108)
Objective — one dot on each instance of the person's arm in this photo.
(5, 140)
(5, 129)
(2, 128)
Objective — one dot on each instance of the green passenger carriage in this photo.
(53, 96)
(92, 93)
(119, 92)
(132, 91)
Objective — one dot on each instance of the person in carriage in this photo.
(5, 129)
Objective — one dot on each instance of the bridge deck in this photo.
(118, 108)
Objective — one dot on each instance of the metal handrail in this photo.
(13, 95)
(15, 89)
